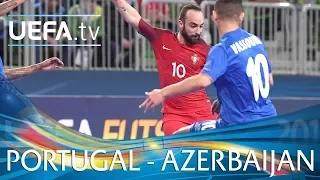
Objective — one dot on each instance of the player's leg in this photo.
(198, 126)
(10, 100)
(13, 103)
(173, 122)
(169, 127)
(183, 130)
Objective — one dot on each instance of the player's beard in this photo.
(190, 39)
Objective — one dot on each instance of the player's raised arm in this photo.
(7, 6)
(46, 65)
(130, 15)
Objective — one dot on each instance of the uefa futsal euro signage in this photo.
(107, 118)
(39, 30)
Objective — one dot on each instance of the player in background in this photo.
(178, 56)
(239, 68)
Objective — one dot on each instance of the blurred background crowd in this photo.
(123, 48)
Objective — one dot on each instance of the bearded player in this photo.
(179, 56)
(239, 68)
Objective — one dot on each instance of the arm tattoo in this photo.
(8, 5)
(17, 73)
(124, 9)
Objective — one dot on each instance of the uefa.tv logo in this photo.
(38, 31)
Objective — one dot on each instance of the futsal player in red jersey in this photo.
(179, 56)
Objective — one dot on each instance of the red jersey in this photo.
(176, 62)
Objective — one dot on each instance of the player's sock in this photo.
(203, 125)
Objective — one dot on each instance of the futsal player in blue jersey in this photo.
(12, 101)
(239, 68)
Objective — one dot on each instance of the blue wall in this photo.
(136, 83)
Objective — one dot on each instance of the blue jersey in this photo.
(3, 77)
(12, 102)
(240, 68)
(1, 68)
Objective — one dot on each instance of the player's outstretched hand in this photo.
(51, 64)
(153, 99)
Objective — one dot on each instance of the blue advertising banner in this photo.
(103, 117)
(119, 117)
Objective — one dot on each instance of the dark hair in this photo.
(185, 9)
(229, 9)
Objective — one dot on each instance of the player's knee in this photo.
(182, 130)
(170, 127)
(11, 103)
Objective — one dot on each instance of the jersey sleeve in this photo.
(148, 31)
(216, 64)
